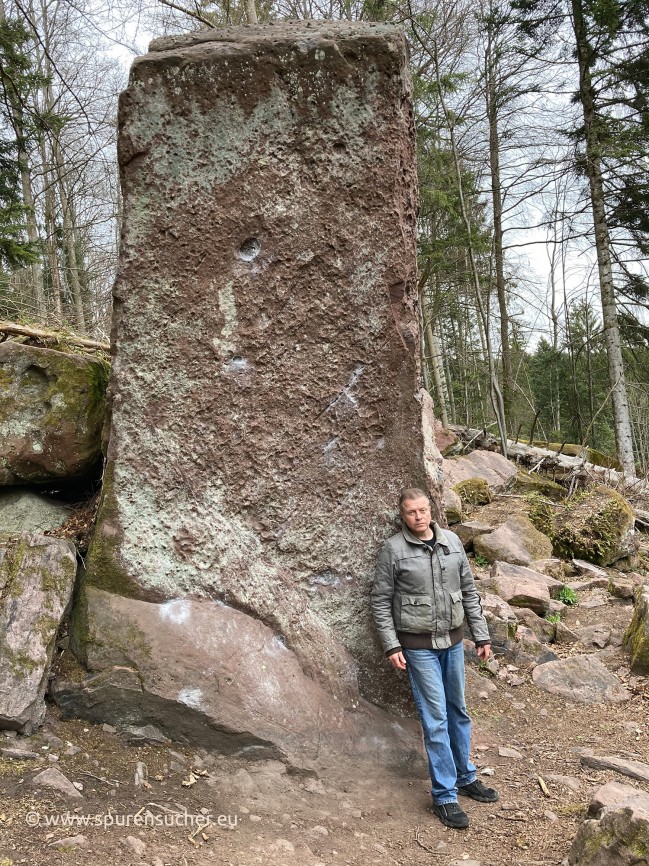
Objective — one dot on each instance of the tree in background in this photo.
(19, 240)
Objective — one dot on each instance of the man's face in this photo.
(416, 515)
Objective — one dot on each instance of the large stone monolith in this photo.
(266, 408)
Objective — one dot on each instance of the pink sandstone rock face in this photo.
(207, 674)
(265, 381)
(37, 575)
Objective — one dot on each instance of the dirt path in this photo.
(269, 816)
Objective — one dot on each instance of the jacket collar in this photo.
(438, 533)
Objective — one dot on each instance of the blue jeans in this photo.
(437, 683)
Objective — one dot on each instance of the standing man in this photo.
(423, 589)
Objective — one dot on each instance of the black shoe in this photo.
(477, 791)
(451, 815)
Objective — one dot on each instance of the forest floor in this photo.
(270, 816)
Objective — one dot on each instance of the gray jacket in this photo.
(417, 589)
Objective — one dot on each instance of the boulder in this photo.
(528, 648)
(266, 409)
(37, 576)
(470, 529)
(582, 679)
(517, 541)
(52, 408)
(473, 491)
(622, 587)
(518, 592)
(543, 629)
(596, 525)
(597, 635)
(445, 439)
(588, 583)
(27, 511)
(610, 794)
(517, 572)
(452, 505)
(564, 635)
(619, 835)
(587, 569)
(500, 616)
(496, 470)
(202, 672)
(533, 482)
(636, 638)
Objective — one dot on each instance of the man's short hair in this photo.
(412, 493)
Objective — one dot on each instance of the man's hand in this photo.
(398, 661)
(484, 652)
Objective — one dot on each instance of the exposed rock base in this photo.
(37, 577)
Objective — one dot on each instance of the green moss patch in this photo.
(473, 491)
(592, 525)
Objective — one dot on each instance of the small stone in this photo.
(255, 818)
(321, 830)
(108, 729)
(136, 845)
(285, 845)
(571, 782)
(145, 735)
(314, 786)
(18, 754)
(487, 771)
(551, 816)
(71, 750)
(70, 842)
(54, 778)
(52, 758)
(506, 752)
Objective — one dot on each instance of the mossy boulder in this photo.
(474, 491)
(636, 639)
(37, 575)
(532, 482)
(618, 835)
(52, 408)
(596, 525)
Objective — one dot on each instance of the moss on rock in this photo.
(104, 567)
(532, 482)
(52, 413)
(636, 638)
(474, 491)
(595, 525)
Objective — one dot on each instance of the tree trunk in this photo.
(496, 198)
(621, 415)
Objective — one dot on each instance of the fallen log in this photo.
(14, 329)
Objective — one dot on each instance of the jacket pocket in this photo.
(457, 609)
(415, 613)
